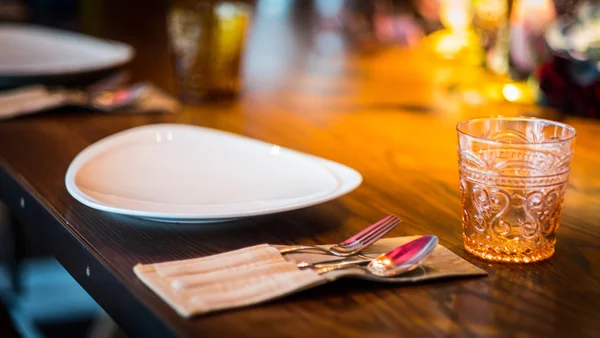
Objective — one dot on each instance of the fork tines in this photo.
(374, 232)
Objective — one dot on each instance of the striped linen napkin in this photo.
(260, 273)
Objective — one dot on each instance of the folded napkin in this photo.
(259, 273)
(37, 98)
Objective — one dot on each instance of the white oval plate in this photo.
(28, 50)
(189, 174)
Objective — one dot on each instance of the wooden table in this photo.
(385, 114)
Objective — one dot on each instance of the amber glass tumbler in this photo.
(513, 178)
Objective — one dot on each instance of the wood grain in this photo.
(385, 114)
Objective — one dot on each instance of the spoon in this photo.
(115, 99)
(393, 263)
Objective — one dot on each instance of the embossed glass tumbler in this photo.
(513, 177)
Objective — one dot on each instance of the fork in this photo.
(354, 244)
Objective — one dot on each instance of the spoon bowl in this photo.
(111, 100)
(403, 258)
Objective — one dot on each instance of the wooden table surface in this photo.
(385, 113)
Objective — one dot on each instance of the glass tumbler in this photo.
(513, 178)
(207, 38)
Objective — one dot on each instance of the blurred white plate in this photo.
(188, 174)
(27, 51)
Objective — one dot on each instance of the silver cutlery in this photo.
(141, 97)
(393, 263)
(354, 244)
(37, 97)
(110, 100)
(353, 260)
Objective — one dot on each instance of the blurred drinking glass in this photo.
(512, 34)
(207, 39)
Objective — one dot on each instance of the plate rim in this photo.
(128, 53)
(344, 186)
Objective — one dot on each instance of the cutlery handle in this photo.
(305, 248)
(341, 264)
(326, 267)
(28, 100)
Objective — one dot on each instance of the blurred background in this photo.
(541, 52)
(465, 54)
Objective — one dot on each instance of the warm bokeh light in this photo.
(456, 14)
(457, 41)
(511, 92)
(460, 46)
(449, 45)
(490, 13)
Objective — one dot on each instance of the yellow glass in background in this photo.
(207, 40)
(513, 179)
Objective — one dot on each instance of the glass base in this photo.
(540, 253)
